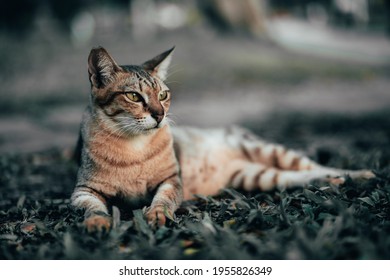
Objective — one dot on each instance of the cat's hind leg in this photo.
(253, 176)
(266, 165)
(279, 157)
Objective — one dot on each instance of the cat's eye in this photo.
(163, 95)
(133, 96)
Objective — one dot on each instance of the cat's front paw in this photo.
(157, 216)
(98, 223)
(336, 181)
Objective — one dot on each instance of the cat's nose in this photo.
(158, 117)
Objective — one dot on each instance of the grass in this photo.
(319, 222)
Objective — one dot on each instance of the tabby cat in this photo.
(131, 157)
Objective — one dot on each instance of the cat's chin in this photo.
(153, 129)
(160, 125)
(148, 131)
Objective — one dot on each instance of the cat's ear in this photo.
(158, 66)
(101, 67)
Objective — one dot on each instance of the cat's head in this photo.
(133, 99)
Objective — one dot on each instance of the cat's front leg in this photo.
(167, 199)
(97, 218)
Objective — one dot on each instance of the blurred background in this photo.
(236, 62)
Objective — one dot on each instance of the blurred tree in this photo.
(388, 17)
(17, 16)
(370, 15)
(64, 11)
(246, 16)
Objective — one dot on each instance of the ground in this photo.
(319, 222)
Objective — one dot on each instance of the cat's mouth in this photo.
(157, 126)
(153, 128)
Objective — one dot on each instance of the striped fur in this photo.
(132, 158)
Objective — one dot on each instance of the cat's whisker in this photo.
(129, 129)
(171, 116)
(174, 66)
(171, 73)
(114, 133)
(173, 82)
(110, 128)
(116, 129)
(125, 125)
(125, 118)
(170, 121)
(173, 69)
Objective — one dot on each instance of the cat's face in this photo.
(130, 100)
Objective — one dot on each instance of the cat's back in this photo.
(202, 140)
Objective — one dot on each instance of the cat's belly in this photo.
(207, 159)
(206, 174)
